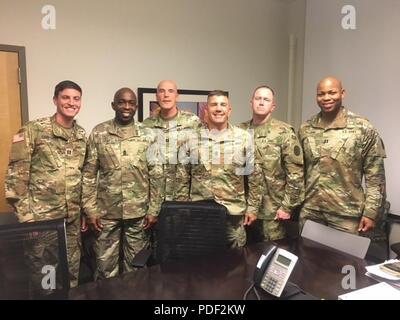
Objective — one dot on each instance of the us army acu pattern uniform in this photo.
(44, 183)
(279, 164)
(121, 185)
(171, 134)
(336, 158)
(219, 161)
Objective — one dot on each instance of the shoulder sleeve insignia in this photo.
(18, 137)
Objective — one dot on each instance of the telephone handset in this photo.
(273, 270)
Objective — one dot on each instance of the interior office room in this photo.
(233, 45)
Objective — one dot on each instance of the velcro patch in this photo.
(18, 137)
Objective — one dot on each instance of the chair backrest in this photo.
(395, 247)
(14, 271)
(350, 243)
(188, 229)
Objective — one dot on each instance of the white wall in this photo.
(366, 60)
(233, 45)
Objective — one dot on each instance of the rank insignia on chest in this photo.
(68, 152)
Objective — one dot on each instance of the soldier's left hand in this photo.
(84, 225)
(249, 218)
(366, 224)
(150, 221)
(282, 215)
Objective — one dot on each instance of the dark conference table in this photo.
(228, 275)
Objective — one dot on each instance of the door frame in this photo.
(23, 85)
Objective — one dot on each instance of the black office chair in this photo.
(14, 277)
(187, 229)
(379, 248)
(395, 247)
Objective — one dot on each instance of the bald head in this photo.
(331, 81)
(167, 83)
(329, 96)
(121, 92)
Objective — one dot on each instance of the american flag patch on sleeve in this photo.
(18, 137)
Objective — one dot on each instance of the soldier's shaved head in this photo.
(332, 81)
(168, 83)
(121, 91)
(330, 94)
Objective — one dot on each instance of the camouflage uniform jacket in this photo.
(336, 159)
(219, 161)
(171, 134)
(279, 162)
(120, 181)
(44, 173)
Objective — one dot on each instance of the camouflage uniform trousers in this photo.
(42, 250)
(108, 245)
(266, 230)
(273, 229)
(235, 232)
(342, 223)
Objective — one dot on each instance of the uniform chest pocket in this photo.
(136, 153)
(107, 157)
(76, 155)
(47, 157)
(347, 151)
(268, 155)
(310, 148)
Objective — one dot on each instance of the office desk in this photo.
(227, 276)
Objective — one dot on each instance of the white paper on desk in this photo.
(395, 284)
(379, 291)
(376, 270)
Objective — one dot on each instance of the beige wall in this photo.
(367, 61)
(234, 45)
(297, 30)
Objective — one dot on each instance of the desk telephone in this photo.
(273, 270)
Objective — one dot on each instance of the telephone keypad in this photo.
(273, 282)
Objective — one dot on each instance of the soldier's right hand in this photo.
(84, 225)
(149, 221)
(95, 223)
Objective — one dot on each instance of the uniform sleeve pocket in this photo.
(19, 151)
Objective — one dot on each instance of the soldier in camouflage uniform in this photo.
(172, 127)
(279, 161)
(121, 194)
(220, 156)
(44, 180)
(340, 148)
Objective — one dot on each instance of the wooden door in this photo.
(10, 113)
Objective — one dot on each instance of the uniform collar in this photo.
(265, 124)
(162, 123)
(340, 121)
(59, 131)
(115, 129)
(220, 135)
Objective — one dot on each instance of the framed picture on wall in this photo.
(189, 100)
